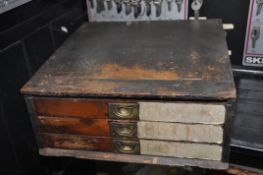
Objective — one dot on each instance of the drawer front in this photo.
(183, 150)
(186, 130)
(123, 111)
(81, 126)
(180, 132)
(76, 142)
(70, 107)
(182, 112)
(123, 129)
(126, 146)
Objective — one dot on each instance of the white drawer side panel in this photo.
(180, 132)
(182, 150)
(182, 112)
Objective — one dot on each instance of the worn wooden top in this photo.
(175, 60)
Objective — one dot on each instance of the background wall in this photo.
(230, 11)
(29, 34)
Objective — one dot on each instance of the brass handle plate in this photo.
(123, 111)
(126, 147)
(123, 129)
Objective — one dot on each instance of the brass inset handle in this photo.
(124, 130)
(123, 110)
(127, 148)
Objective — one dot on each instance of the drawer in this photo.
(80, 126)
(126, 146)
(182, 112)
(123, 129)
(180, 132)
(75, 142)
(70, 107)
(183, 150)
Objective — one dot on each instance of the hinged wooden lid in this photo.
(158, 60)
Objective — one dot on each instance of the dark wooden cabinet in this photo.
(143, 92)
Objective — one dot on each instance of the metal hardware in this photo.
(169, 4)
(259, 6)
(123, 129)
(196, 6)
(100, 6)
(119, 5)
(179, 5)
(241, 70)
(137, 7)
(109, 4)
(255, 34)
(127, 4)
(158, 6)
(148, 5)
(123, 110)
(126, 147)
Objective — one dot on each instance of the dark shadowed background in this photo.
(29, 34)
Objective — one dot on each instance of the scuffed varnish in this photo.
(114, 71)
(195, 56)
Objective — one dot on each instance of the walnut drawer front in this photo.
(71, 107)
(79, 126)
(76, 142)
(182, 112)
(179, 149)
(180, 132)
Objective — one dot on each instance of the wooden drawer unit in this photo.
(149, 93)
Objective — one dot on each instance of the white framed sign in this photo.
(253, 49)
(166, 13)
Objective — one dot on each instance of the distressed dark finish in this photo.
(153, 160)
(76, 142)
(70, 107)
(236, 170)
(173, 60)
(105, 71)
(81, 126)
(230, 107)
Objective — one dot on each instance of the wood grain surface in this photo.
(79, 126)
(164, 59)
(75, 142)
(70, 107)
